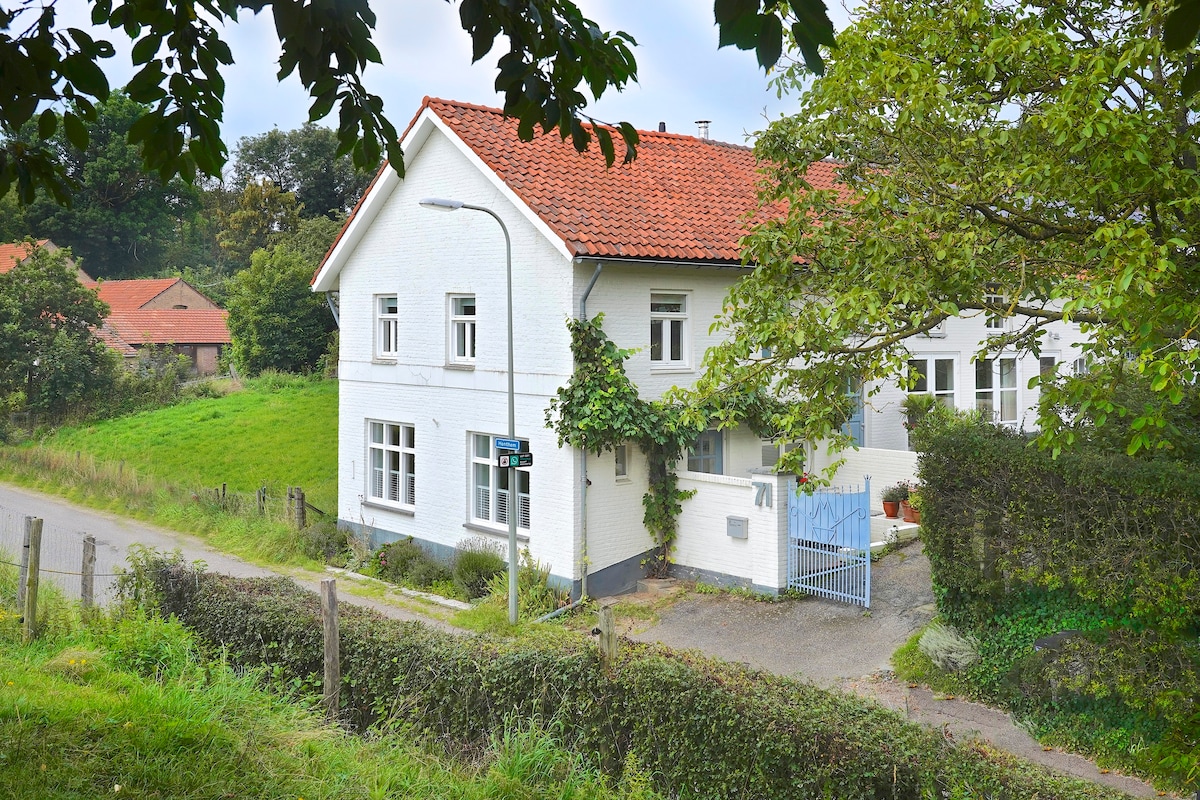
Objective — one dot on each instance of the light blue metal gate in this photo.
(829, 542)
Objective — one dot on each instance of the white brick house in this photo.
(423, 356)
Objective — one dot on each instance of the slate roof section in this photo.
(170, 326)
(682, 199)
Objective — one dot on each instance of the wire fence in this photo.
(62, 557)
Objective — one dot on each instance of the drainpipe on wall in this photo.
(583, 478)
(332, 299)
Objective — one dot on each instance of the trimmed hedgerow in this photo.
(703, 728)
(1099, 551)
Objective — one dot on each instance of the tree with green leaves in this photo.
(50, 357)
(306, 163)
(275, 321)
(121, 220)
(554, 55)
(1037, 151)
(265, 215)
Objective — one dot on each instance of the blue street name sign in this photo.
(508, 444)
(515, 460)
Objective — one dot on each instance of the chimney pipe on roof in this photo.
(702, 128)
(662, 127)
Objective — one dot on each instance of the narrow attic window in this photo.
(462, 329)
(387, 326)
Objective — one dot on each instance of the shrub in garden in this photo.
(535, 596)
(1024, 545)
(324, 541)
(704, 729)
(947, 648)
(477, 561)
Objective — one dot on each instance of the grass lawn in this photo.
(274, 433)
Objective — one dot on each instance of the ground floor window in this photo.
(491, 495)
(708, 453)
(392, 463)
(996, 389)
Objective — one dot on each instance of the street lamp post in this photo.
(454, 205)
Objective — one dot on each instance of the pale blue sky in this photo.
(684, 77)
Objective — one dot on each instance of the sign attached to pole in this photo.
(515, 460)
(508, 444)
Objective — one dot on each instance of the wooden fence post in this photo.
(24, 563)
(261, 496)
(87, 579)
(608, 637)
(291, 504)
(333, 656)
(31, 580)
(301, 510)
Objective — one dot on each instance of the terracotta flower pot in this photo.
(891, 508)
(910, 513)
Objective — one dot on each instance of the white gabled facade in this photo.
(423, 375)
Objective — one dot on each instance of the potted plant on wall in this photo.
(892, 497)
(911, 507)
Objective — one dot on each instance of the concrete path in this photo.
(837, 645)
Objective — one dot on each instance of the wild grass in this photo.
(127, 708)
(167, 465)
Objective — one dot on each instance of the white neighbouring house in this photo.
(654, 246)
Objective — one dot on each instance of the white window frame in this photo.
(995, 321)
(665, 322)
(481, 510)
(387, 327)
(391, 464)
(461, 328)
(947, 396)
(1000, 386)
(621, 462)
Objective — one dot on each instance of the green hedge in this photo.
(1023, 545)
(704, 728)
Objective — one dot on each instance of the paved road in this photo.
(65, 525)
(840, 646)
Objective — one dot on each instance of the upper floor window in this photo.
(387, 326)
(391, 463)
(621, 461)
(668, 329)
(996, 301)
(933, 376)
(491, 494)
(462, 329)
(996, 388)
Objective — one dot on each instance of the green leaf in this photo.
(47, 123)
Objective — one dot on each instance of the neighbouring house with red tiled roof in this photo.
(164, 312)
(654, 245)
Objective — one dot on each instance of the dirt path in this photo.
(841, 646)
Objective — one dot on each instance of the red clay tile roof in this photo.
(109, 336)
(170, 326)
(682, 199)
(14, 253)
(131, 295)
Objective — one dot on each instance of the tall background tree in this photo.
(121, 220)
(1039, 151)
(304, 162)
(50, 359)
(275, 321)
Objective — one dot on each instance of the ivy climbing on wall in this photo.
(600, 409)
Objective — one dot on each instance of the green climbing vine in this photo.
(600, 409)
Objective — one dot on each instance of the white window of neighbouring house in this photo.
(996, 388)
(1048, 368)
(621, 461)
(490, 493)
(387, 326)
(392, 464)
(933, 376)
(462, 329)
(668, 330)
(995, 317)
(708, 453)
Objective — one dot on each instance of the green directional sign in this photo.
(515, 460)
